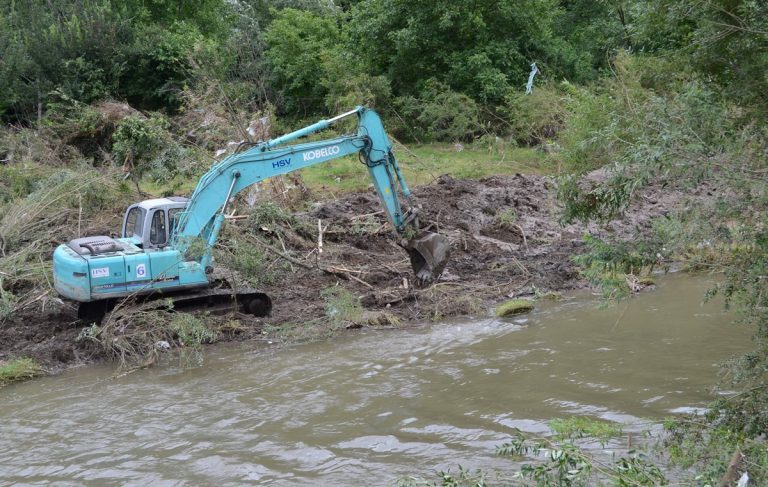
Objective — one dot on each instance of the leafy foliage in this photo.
(142, 145)
(439, 113)
(576, 427)
(96, 49)
(478, 48)
(191, 330)
(565, 464)
(302, 48)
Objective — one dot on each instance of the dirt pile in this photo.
(505, 242)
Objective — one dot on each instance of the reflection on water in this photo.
(370, 407)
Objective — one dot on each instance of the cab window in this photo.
(157, 231)
(173, 217)
(134, 222)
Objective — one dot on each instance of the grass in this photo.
(422, 164)
(584, 427)
(19, 369)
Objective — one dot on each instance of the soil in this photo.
(505, 242)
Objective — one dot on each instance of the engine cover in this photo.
(95, 245)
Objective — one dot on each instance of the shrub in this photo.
(268, 213)
(506, 218)
(7, 303)
(191, 330)
(439, 114)
(143, 145)
(534, 118)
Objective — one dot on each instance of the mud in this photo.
(505, 242)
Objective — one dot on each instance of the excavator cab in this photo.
(150, 223)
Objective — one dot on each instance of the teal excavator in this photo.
(165, 247)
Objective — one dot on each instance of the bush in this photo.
(159, 58)
(191, 330)
(71, 47)
(587, 139)
(68, 117)
(17, 181)
(535, 118)
(7, 303)
(268, 213)
(144, 146)
(439, 114)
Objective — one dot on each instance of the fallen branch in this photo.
(346, 273)
(525, 241)
(735, 467)
(328, 270)
(360, 217)
(284, 255)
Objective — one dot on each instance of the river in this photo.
(369, 407)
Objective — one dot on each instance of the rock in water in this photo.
(514, 307)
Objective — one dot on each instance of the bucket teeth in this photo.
(429, 254)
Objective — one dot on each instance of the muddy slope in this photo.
(505, 240)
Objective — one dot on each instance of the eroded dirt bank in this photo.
(505, 241)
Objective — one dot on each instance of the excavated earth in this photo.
(505, 241)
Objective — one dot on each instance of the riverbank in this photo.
(505, 242)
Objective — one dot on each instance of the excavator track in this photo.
(216, 301)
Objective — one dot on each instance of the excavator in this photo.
(165, 249)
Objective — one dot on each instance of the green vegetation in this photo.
(18, 369)
(191, 330)
(341, 306)
(341, 310)
(576, 427)
(423, 163)
(690, 127)
(561, 461)
(506, 218)
(514, 307)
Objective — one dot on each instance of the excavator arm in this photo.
(205, 211)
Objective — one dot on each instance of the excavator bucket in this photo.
(429, 253)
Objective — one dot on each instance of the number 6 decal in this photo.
(141, 270)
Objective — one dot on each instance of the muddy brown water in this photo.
(370, 407)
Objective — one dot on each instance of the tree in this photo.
(57, 45)
(93, 49)
(480, 48)
(302, 48)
